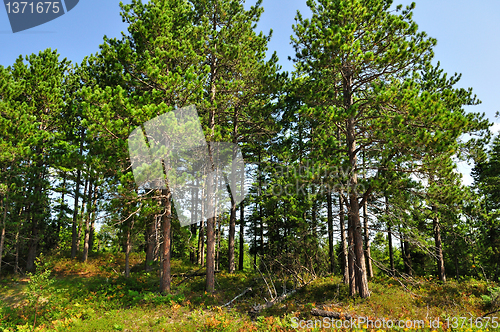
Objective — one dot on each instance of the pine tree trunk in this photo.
(87, 223)
(242, 237)
(404, 252)
(353, 285)
(210, 270)
(74, 235)
(201, 244)
(360, 266)
(217, 242)
(166, 228)
(210, 282)
(331, 252)
(368, 255)
(343, 239)
(80, 221)
(389, 237)
(439, 247)
(62, 213)
(194, 220)
(150, 243)
(17, 242)
(232, 231)
(4, 222)
(391, 249)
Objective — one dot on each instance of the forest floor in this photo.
(95, 296)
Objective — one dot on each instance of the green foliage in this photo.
(40, 291)
(492, 300)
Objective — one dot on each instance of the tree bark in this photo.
(360, 265)
(166, 228)
(150, 243)
(439, 246)
(353, 285)
(210, 282)
(242, 237)
(4, 222)
(218, 238)
(74, 235)
(343, 239)
(367, 241)
(331, 252)
(86, 240)
(80, 221)
(389, 237)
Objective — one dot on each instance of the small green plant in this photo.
(39, 291)
(492, 300)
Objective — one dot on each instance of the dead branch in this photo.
(258, 308)
(489, 313)
(249, 289)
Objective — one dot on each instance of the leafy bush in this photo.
(39, 291)
(493, 299)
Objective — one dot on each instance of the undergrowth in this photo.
(64, 295)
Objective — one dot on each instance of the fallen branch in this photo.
(258, 308)
(489, 313)
(331, 314)
(249, 289)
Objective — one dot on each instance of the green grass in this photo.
(96, 297)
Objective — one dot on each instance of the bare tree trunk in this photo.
(150, 243)
(217, 241)
(389, 237)
(404, 251)
(439, 246)
(5, 206)
(343, 239)
(201, 244)
(17, 242)
(210, 282)
(232, 217)
(80, 221)
(360, 266)
(74, 235)
(241, 257)
(331, 252)
(166, 228)
(232, 231)
(391, 249)
(87, 223)
(353, 289)
(367, 242)
(92, 221)
(193, 253)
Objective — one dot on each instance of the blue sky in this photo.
(467, 33)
